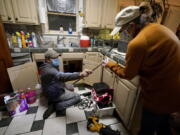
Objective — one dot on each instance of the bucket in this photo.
(84, 41)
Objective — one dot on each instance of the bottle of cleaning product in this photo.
(70, 29)
(19, 39)
(23, 40)
(14, 41)
(61, 29)
(34, 39)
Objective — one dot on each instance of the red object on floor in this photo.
(31, 96)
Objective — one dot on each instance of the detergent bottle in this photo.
(23, 40)
(19, 39)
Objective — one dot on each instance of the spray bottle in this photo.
(19, 39)
(23, 40)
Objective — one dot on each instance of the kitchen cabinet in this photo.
(172, 19)
(100, 13)
(93, 13)
(90, 61)
(38, 56)
(108, 77)
(109, 12)
(6, 11)
(95, 76)
(72, 56)
(19, 11)
(23, 76)
(124, 99)
(5, 62)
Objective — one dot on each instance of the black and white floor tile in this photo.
(73, 123)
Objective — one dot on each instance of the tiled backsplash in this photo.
(12, 28)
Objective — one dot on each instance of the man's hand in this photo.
(85, 73)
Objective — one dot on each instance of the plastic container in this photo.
(16, 104)
(84, 41)
(31, 96)
(107, 111)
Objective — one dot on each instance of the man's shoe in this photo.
(49, 111)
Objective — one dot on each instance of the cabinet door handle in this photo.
(16, 19)
(9, 18)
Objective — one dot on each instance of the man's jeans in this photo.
(152, 123)
(67, 99)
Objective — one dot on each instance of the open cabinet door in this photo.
(23, 76)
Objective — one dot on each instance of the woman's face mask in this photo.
(55, 62)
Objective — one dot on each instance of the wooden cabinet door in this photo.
(25, 11)
(95, 76)
(124, 99)
(23, 76)
(6, 11)
(5, 62)
(90, 61)
(108, 77)
(109, 12)
(172, 20)
(93, 9)
(92, 57)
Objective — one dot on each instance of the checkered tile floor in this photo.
(73, 123)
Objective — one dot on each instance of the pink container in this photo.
(31, 96)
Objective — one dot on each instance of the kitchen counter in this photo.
(104, 50)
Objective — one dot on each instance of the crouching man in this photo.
(60, 95)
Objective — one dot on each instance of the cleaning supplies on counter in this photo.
(23, 40)
(34, 40)
(70, 29)
(18, 36)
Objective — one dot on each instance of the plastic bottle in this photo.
(34, 40)
(23, 40)
(19, 39)
(61, 29)
(70, 29)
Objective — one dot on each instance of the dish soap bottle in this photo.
(70, 29)
(23, 40)
(19, 39)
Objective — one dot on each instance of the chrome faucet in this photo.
(60, 39)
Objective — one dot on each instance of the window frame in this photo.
(46, 26)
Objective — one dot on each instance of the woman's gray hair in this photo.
(148, 14)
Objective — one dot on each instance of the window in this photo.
(61, 12)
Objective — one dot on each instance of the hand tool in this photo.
(92, 71)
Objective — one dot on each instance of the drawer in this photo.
(38, 56)
(70, 56)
